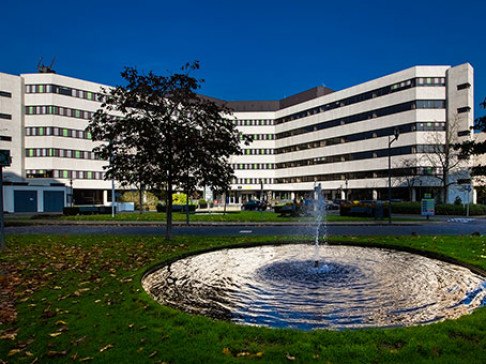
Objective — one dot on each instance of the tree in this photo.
(473, 147)
(407, 175)
(165, 135)
(440, 153)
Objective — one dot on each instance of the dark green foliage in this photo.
(176, 208)
(440, 209)
(168, 136)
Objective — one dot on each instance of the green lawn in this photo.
(239, 216)
(79, 299)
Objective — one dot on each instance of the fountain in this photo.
(321, 210)
(341, 287)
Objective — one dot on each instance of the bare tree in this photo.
(439, 152)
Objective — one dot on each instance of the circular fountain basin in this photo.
(352, 287)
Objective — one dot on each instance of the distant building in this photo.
(336, 139)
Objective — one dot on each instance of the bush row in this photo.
(440, 209)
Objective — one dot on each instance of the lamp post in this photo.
(396, 133)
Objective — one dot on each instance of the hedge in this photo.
(440, 209)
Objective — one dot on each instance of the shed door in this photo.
(53, 201)
(25, 201)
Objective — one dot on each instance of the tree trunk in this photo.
(168, 204)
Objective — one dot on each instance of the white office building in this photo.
(338, 139)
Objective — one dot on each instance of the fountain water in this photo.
(353, 287)
(277, 286)
(321, 213)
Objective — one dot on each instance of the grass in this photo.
(239, 216)
(79, 299)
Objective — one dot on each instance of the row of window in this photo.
(62, 90)
(382, 173)
(379, 153)
(56, 131)
(5, 94)
(61, 153)
(411, 105)
(58, 110)
(239, 166)
(405, 128)
(257, 151)
(252, 181)
(59, 173)
(420, 81)
(5, 116)
(259, 136)
(257, 122)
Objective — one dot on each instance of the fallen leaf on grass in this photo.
(153, 354)
(54, 334)
(243, 353)
(52, 353)
(13, 352)
(109, 346)
(86, 359)
(8, 335)
(290, 357)
(226, 351)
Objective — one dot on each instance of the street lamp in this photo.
(396, 133)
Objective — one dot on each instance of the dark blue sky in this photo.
(249, 50)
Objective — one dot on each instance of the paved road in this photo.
(457, 226)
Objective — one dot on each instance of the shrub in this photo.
(440, 209)
(202, 203)
(176, 208)
(133, 196)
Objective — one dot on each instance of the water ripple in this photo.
(352, 287)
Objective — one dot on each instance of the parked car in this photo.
(254, 205)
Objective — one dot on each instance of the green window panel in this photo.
(90, 175)
(65, 174)
(64, 132)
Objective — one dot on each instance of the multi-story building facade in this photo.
(338, 139)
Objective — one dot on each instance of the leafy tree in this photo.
(165, 135)
(472, 147)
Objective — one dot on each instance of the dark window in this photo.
(5, 94)
(463, 133)
(65, 91)
(463, 86)
(463, 109)
(6, 116)
(5, 138)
